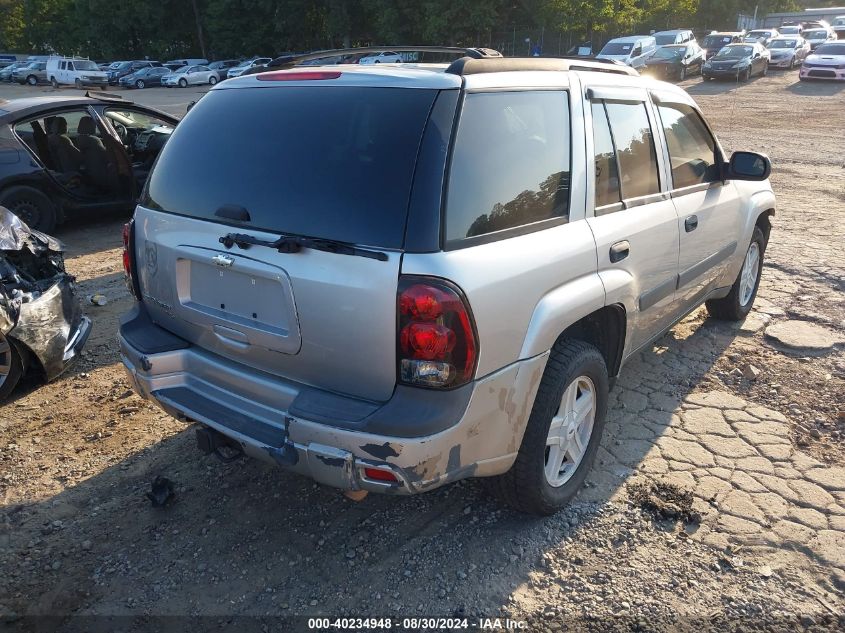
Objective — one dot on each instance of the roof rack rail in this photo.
(289, 61)
(469, 66)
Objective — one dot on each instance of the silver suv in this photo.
(389, 278)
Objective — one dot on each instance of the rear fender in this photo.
(560, 308)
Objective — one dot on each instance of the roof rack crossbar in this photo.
(470, 66)
(289, 61)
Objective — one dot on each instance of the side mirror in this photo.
(749, 166)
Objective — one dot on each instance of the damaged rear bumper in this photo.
(473, 431)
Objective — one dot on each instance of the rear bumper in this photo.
(473, 431)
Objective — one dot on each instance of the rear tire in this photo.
(738, 303)
(212, 80)
(11, 368)
(31, 206)
(527, 485)
(32, 80)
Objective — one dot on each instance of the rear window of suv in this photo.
(328, 162)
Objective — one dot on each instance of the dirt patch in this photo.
(664, 500)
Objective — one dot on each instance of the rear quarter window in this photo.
(329, 162)
(510, 165)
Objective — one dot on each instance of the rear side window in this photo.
(634, 143)
(692, 149)
(608, 189)
(329, 162)
(510, 163)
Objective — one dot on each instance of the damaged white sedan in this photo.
(42, 328)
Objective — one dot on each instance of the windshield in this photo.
(831, 49)
(668, 38)
(783, 44)
(612, 48)
(790, 30)
(182, 70)
(338, 165)
(85, 65)
(123, 65)
(815, 34)
(839, 22)
(713, 41)
(670, 52)
(735, 52)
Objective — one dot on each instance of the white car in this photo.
(241, 68)
(826, 62)
(816, 37)
(190, 76)
(387, 57)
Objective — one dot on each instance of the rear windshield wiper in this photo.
(294, 243)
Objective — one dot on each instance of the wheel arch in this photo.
(604, 329)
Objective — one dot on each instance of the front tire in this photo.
(683, 74)
(78, 84)
(738, 303)
(183, 83)
(140, 85)
(563, 431)
(11, 367)
(31, 206)
(53, 82)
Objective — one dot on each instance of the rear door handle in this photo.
(691, 223)
(619, 251)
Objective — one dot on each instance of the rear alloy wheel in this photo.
(212, 80)
(32, 80)
(563, 431)
(31, 206)
(10, 367)
(140, 85)
(738, 303)
(183, 83)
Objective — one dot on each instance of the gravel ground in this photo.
(79, 538)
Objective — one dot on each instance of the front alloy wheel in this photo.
(737, 304)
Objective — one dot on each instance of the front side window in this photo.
(692, 149)
(510, 163)
(634, 145)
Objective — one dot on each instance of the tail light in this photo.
(436, 344)
(129, 260)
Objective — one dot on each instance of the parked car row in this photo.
(738, 55)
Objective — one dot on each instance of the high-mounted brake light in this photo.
(283, 75)
(436, 343)
(128, 260)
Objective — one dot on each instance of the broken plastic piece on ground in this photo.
(355, 495)
(161, 492)
(98, 300)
